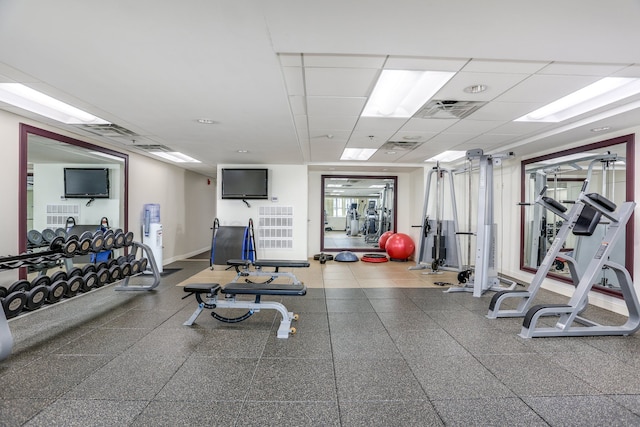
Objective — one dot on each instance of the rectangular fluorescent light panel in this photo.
(447, 156)
(603, 92)
(24, 97)
(400, 93)
(107, 156)
(357, 153)
(175, 156)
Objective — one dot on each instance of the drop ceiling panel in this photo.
(322, 105)
(473, 126)
(632, 71)
(380, 124)
(426, 64)
(567, 68)
(495, 66)
(427, 125)
(290, 59)
(343, 61)
(413, 136)
(298, 105)
(293, 80)
(327, 151)
(502, 111)
(361, 139)
(344, 82)
(332, 122)
(330, 135)
(496, 85)
(545, 88)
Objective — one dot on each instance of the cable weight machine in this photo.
(439, 234)
(483, 276)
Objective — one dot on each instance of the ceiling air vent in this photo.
(400, 145)
(109, 130)
(447, 109)
(153, 147)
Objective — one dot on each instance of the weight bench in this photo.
(243, 268)
(207, 295)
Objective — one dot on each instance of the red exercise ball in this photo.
(383, 238)
(399, 247)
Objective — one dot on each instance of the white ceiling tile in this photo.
(332, 122)
(473, 126)
(487, 140)
(343, 61)
(293, 80)
(322, 105)
(427, 125)
(301, 123)
(504, 111)
(298, 105)
(376, 124)
(520, 128)
(508, 67)
(427, 64)
(496, 84)
(332, 135)
(366, 139)
(290, 59)
(545, 88)
(631, 71)
(343, 82)
(327, 151)
(568, 68)
(413, 136)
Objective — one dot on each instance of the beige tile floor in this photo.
(343, 275)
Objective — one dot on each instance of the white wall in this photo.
(287, 187)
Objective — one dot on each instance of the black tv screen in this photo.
(245, 184)
(85, 183)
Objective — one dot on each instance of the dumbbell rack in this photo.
(64, 252)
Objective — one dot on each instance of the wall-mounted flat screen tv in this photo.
(245, 184)
(86, 183)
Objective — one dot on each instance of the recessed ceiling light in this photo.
(475, 88)
(357, 153)
(390, 152)
(206, 121)
(447, 156)
(243, 151)
(600, 129)
(411, 137)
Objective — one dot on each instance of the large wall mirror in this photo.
(608, 166)
(356, 210)
(44, 157)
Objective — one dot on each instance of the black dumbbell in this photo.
(74, 285)
(13, 303)
(119, 239)
(37, 293)
(128, 238)
(61, 232)
(115, 273)
(125, 268)
(75, 271)
(35, 237)
(57, 290)
(109, 240)
(88, 268)
(135, 267)
(103, 277)
(143, 264)
(59, 275)
(48, 235)
(19, 286)
(97, 242)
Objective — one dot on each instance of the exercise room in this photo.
(319, 213)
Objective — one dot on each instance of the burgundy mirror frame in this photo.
(629, 140)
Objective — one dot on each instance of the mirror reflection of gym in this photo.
(47, 154)
(357, 210)
(562, 178)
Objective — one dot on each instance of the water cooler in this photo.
(152, 232)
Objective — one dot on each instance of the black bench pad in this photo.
(239, 262)
(235, 288)
(281, 263)
(200, 288)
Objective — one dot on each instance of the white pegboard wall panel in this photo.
(275, 227)
(57, 214)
